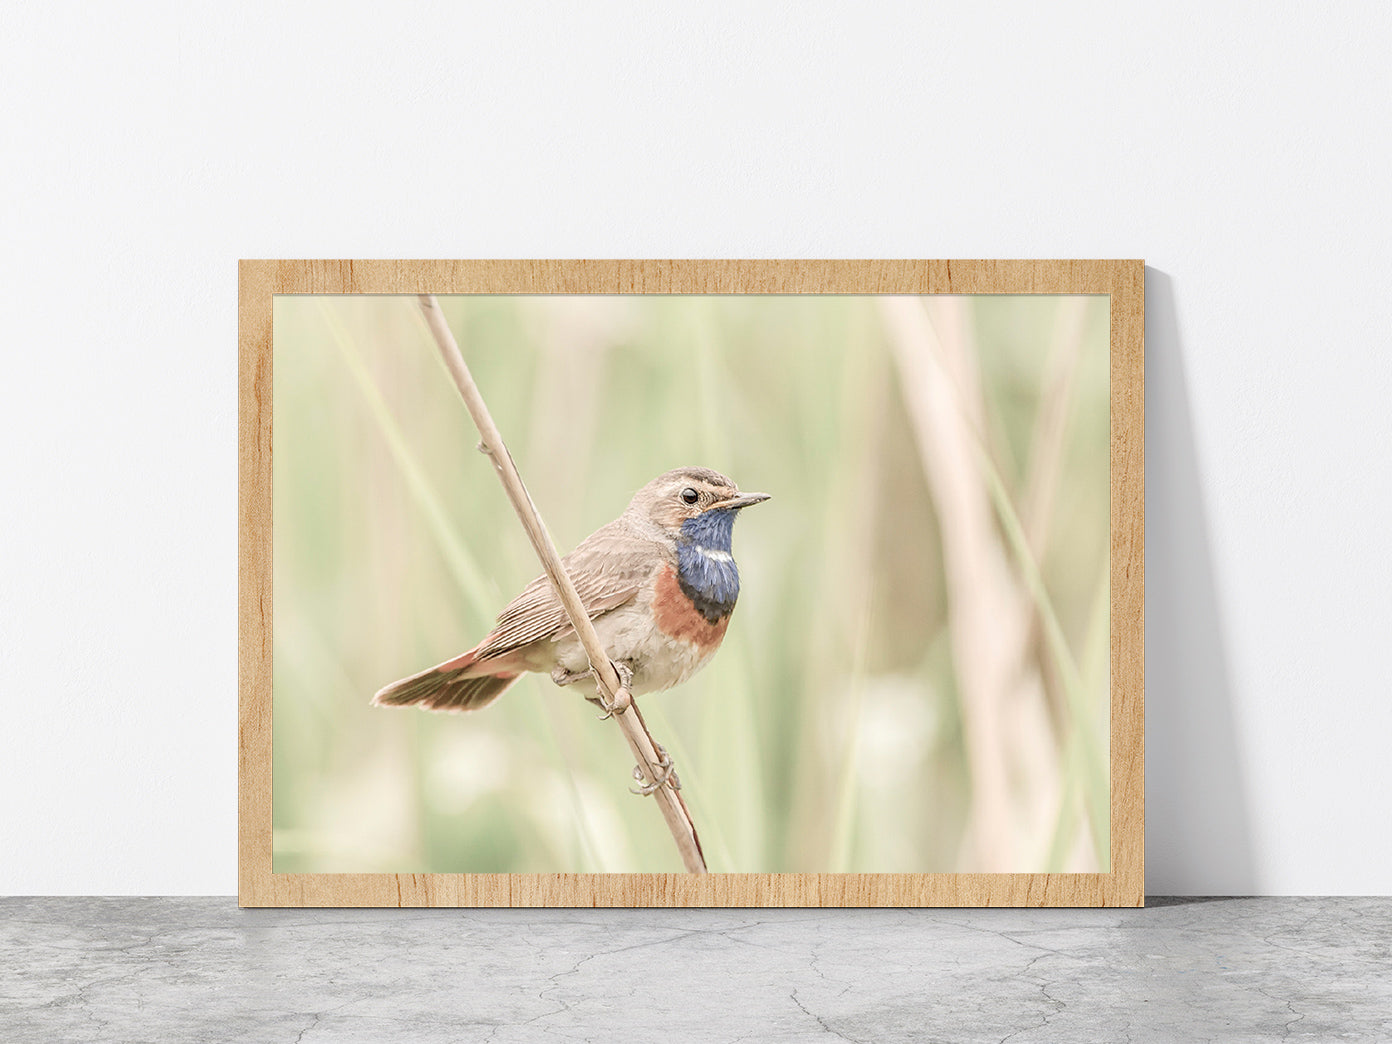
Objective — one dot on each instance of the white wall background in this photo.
(1243, 150)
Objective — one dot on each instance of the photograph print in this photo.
(849, 554)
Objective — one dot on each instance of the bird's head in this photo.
(696, 503)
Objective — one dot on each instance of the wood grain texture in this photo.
(1123, 281)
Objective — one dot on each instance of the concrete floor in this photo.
(115, 970)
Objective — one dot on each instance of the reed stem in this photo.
(611, 688)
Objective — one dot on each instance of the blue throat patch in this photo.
(705, 570)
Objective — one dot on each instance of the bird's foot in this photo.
(622, 698)
(561, 676)
(667, 775)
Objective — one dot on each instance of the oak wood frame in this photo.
(1123, 281)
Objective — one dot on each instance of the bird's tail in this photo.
(461, 684)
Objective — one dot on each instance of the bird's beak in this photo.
(743, 500)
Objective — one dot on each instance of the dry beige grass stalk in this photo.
(1014, 767)
(630, 722)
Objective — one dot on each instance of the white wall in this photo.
(1243, 154)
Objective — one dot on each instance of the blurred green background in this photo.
(916, 676)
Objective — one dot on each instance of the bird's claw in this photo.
(666, 776)
(625, 673)
(622, 698)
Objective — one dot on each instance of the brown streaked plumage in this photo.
(659, 583)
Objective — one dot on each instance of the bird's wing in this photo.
(608, 569)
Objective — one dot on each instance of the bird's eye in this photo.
(689, 495)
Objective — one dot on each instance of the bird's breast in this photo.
(680, 616)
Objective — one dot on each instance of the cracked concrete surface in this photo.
(1232, 970)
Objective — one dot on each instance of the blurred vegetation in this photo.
(833, 730)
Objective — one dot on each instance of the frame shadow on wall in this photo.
(1197, 820)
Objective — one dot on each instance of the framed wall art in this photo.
(691, 583)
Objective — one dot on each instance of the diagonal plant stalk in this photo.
(720, 845)
(1096, 660)
(1093, 763)
(625, 710)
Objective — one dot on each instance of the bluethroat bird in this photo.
(659, 582)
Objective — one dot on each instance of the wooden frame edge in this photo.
(1122, 280)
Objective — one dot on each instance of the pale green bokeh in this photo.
(826, 735)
